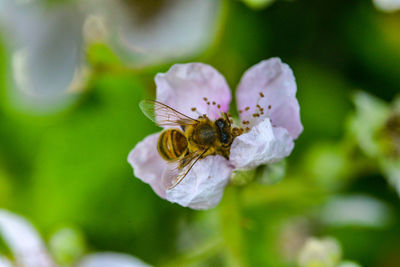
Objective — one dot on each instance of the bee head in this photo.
(223, 130)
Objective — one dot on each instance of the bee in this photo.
(191, 139)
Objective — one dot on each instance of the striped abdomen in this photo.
(171, 144)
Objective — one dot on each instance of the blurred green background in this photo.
(69, 167)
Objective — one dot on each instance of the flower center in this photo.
(215, 108)
(392, 129)
(253, 113)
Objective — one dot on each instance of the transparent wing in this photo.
(178, 170)
(164, 115)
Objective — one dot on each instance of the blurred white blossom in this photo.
(376, 128)
(152, 31)
(108, 259)
(28, 249)
(387, 5)
(46, 49)
(47, 40)
(324, 252)
(356, 210)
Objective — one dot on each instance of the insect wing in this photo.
(164, 115)
(178, 170)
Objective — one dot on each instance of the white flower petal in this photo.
(185, 85)
(262, 144)
(108, 259)
(204, 185)
(387, 5)
(23, 240)
(47, 47)
(371, 115)
(320, 252)
(371, 212)
(4, 262)
(151, 31)
(348, 264)
(275, 80)
(147, 163)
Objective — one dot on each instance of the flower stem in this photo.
(204, 251)
(230, 223)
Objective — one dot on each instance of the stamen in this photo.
(218, 106)
(269, 106)
(208, 103)
(205, 98)
(261, 94)
(247, 108)
(240, 111)
(193, 109)
(213, 103)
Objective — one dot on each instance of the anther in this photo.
(213, 103)
(269, 107)
(193, 109)
(247, 108)
(208, 103)
(261, 94)
(240, 111)
(247, 129)
(256, 115)
(205, 98)
(219, 106)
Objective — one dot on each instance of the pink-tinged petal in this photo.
(184, 86)
(262, 144)
(275, 80)
(107, 259)
(24, 242)
(204, 185)
(147, 164)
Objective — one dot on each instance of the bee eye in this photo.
(220, 123)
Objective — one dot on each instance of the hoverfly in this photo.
(192, 139)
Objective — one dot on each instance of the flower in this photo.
(320, 252)
(323, 252)
(29, 250)
(375, 127)
(387, 5)
(147, 32)
(46, 49)
(268, 110)
(47, 40)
